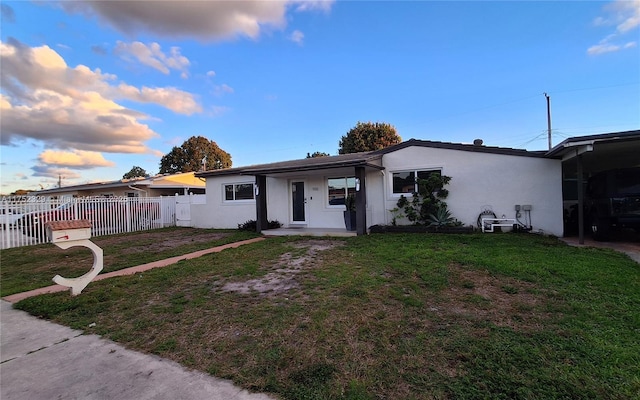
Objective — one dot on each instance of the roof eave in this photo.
(281, 170)
(577, 141)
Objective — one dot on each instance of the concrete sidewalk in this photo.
(43, 360)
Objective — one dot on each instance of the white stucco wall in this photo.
(479, 181)
(485, 180)
(218, 213)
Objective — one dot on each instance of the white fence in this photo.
(23, 218)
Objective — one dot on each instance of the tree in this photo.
(317, 154)
(194, 154)
(368, 136)
(136, 172)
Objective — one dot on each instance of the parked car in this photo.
(33, 222)
(613, 201)
(9, 218)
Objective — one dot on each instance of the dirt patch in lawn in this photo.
(284, 272)
(477, 295)
(154, 241)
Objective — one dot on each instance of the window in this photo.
(238, 191)
(339, 189)
(406, 182)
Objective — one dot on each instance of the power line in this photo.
(597, 87)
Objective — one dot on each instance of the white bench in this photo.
(488, 224)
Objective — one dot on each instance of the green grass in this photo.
(32, 267)
(386, 316)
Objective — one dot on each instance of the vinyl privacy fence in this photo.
(23, 219)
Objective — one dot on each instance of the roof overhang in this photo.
(601, 152)
(305, 166)
(289, 170)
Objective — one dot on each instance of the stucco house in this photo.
(310, 193)
(152, 186)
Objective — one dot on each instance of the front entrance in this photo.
(298, 202)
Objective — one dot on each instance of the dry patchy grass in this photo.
(409, 317)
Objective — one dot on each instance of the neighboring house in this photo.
(310, 192)
(153, 186)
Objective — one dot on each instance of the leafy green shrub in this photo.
(427, 206)
(251, 225)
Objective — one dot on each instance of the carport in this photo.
(584, 156)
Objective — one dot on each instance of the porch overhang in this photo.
(368, 160)
(303, 170)
(600, 152)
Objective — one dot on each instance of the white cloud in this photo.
(602, 49)
(53, 172)
(297, 37)
(76, 159)
(625, 15)
(220, 90)
(152, 55)
(308, 5)
(75, 108)
(217, 111)
(211, 74)
(204, 20)
(174, 99)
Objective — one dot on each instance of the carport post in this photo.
(580, 199)
(261, 203)
(361, 202)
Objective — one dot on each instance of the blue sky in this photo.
(92, 88)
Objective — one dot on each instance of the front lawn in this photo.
(32, 267)
(403, 316)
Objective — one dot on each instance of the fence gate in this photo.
(183, 207)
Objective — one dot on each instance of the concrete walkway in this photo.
(43, 360)
(629, 246)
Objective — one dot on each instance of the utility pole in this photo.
(59, 181)
(548, 118)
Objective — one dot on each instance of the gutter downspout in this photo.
(139, 190)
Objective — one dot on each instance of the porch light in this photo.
(256, 189)
(357, 184)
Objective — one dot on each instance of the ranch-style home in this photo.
(310, 193)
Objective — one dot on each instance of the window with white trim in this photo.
(238, 191)
(407, 181)
(339, 188)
